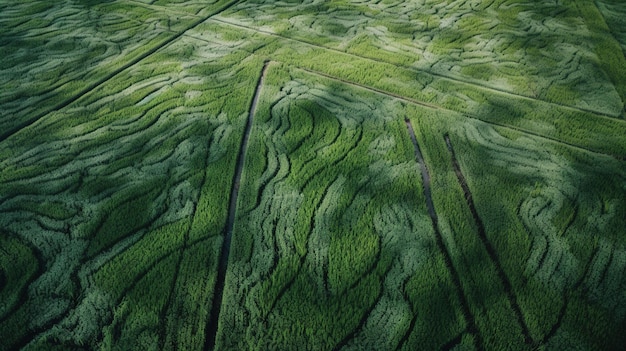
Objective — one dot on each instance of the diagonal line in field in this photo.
(454, 273)
(218, 292)
(464, 114)
(453, 79)
(491, 251)
(89, 88)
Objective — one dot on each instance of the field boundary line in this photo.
(598, 114)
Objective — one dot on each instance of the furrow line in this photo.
(34, 334)
(469, 318)
(344, 342)
(508, 288)
(218, 291)
(567, 294)
(168, 304)
(91, 87)
(161, 8)
(23, 294)
(456, 341)
(409, 330)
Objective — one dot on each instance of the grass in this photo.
(305, 262)
(121, 125)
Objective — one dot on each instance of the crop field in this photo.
(316, 175)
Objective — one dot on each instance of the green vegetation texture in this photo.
(415, 175)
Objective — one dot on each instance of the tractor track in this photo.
(218, 292)
(508, 288)
(456, 280)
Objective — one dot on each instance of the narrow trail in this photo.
(469, 318)
(91, 87)
(487, 244)
(170, 299)
(218, 294)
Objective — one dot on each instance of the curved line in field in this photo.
(453, 342)
(605, 269)
(288, 285)
(566, 297)
(364, 317)
(162, 336)
(312, 221)
(313, 154)
(142, 274)
(409, 330)
(89, 88)
(22, 299)
(266, 181)
(303, 258)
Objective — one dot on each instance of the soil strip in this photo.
(487, 244)
(218, 294)
(469, 318)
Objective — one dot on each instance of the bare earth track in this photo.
(212, 325)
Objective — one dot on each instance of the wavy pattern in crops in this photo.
(332, 228)
(53, 50)
(568, 207)
(521, 47)
(139, 147)
(614, 13)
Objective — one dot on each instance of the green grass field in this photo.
(318, 175)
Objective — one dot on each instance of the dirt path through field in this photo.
(211, 328)
(491, 251)
(469, 318)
